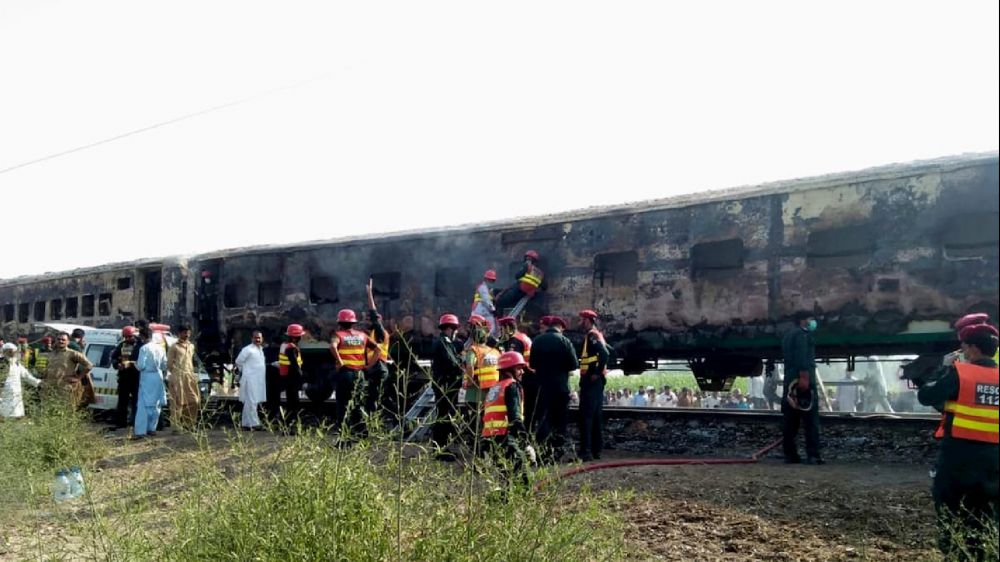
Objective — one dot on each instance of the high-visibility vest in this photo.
(351, 348)
(476, 298)
(41, 360)
(126, 354)
(975, 411)
(383, 346)
(587, 360)
(486, 372)
(26, 354)
(284, 362)
(495, 415)
(531, 280)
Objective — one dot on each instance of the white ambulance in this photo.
(98, 345)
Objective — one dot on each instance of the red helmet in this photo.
(347, 316)
(490, 275)
(511, 359)
(588, 314)
(970, 320)
(477, 320)
(552, 321)
(295, 330)
(47, 340)
(977, 329)
(507, 321)
(448, 320)
(128, 331)
(531, 254)
(22, 339)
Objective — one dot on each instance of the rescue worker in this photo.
(446, 378)
(481, 360)
(800, 400)
(24, 352)
(289, 372)
(503, 419)
(123, 358)
(552, 359)
(594, 357)
(353, 352)
(512, 339)
(185, 399)
(967, 392)
(40, 358)
(69, 372)
(76, 340)
(12, 375)
(152, 365)
(530, 279)
(376, 375)
(482, 301)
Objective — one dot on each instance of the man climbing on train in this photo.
(530, 280)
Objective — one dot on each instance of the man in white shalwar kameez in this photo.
(12, 374)
(253, 389)
(152, 364)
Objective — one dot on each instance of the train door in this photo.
(152, 283)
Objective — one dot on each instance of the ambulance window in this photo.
(71, 307)
(713, 260)
(40, 311)
(23, 312)
(100, 355)
(8, 313)
(616, 269)
(124, 283)
(55, 309)
(323, 290)
(104, 304)
(88, 305)
(269, 293)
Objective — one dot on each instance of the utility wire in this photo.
(165, 123)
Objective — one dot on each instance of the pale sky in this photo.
(361, 117)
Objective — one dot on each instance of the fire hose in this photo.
(752, 459)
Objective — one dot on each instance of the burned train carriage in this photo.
(886, 258)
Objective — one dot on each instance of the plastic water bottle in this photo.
(61, 486)
(76, 486)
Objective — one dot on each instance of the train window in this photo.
(55, 309)
(234, 295)
(88, 306)
(8, 313)
(713, 260)
(976, 235)
(323, 290)
(124, 283)
(269, 293)
(451, 282)
(23, 312)
(40, 311)
(387, 285)
(846, 246)
(616, 269)
(71, 307)
(104, 304)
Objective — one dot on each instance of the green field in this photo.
(657, 379)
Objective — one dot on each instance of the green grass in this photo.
(657, 379)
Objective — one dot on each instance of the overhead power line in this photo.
(164, 123)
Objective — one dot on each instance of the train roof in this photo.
(890, 171)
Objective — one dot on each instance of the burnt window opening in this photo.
(39, 311)
(451, 282)
(23, 312)
(714, 260)
(269, 293)
(846, 246)
(8, 313)
(888, 285)
(88, 306)
(71, 307)
(55, 309)
(387, 285)
(323, 290)
(974, 235)
(104, 304)
(124, 283)
(616, 269)
(235, 295)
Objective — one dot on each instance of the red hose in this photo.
(752, 459)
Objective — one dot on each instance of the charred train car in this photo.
(885, 257)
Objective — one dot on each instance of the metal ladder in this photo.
(421, 415)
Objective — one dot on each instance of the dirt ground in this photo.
(765, 511)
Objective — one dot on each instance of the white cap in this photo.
(9, 346)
